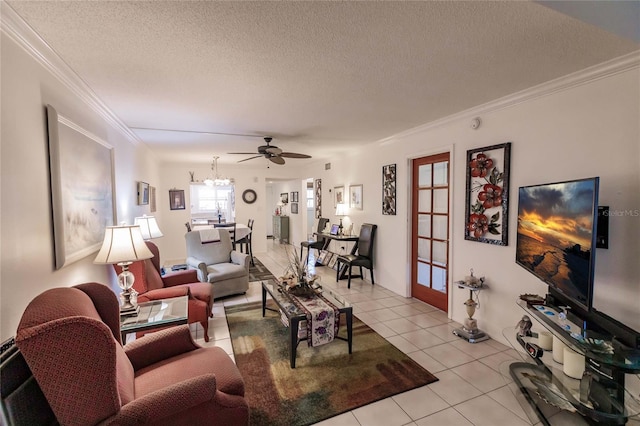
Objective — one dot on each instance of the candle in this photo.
(573, 363)
(558, 350)
(545, 341)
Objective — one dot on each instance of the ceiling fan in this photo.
(271, 152)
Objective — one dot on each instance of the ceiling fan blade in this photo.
(243, 153)
(294, 155)
(274, 150)
(250, 158)
(277, 160)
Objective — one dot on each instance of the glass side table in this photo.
(156, 314)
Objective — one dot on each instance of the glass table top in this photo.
(157, 313)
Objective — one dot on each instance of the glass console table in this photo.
(608, 393)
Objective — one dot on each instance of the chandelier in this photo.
(216, 180)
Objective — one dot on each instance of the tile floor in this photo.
(471, 389)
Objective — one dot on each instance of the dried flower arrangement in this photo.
(296, 277)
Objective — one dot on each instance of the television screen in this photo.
(556, 235)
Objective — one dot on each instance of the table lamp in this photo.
(148, 227)
(124, 245)
(341, 210)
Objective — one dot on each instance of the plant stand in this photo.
(470, 331)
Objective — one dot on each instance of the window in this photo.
(309, 198)
(208, 202)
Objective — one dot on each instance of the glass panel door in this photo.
(430, 237)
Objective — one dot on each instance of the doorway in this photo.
(430, 230)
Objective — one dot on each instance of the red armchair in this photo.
(70, 339)
(151, 285)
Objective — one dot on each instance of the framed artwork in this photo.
(332, 262)
(338, 195)
(331, 259)
(355, 197)
(318, 198)
(487, 194)
(176, 199)
(322, 257)
(294, 208)
(389, 190)
(143, 193)
(284, 197)
(82, 195)
(294, 197)
(152, 199)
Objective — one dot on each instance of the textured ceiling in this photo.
(319, 77)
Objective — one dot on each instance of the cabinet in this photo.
(600, 396)
(281, 228)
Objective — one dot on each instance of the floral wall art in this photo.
(487, 195)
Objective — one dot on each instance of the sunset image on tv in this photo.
(555, 233)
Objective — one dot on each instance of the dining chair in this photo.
(364, 258)
(246, 242)
(318, 243)
(231, 227)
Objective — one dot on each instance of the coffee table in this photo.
(295, 315)
(156, 314)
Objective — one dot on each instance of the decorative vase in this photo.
(471, 307)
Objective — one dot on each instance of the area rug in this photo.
(327, 381)
(259, 272)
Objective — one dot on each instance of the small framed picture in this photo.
(355, 197)
(338, 195)
(284, 198)
(332, 262)
(322, 257)
(294, 208)
(143, 193)
(176, 199)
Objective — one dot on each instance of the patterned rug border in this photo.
(356, 321)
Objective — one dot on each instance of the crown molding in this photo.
(14, 27)
(578, 78)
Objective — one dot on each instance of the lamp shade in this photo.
(148, 227)
(341, 209)
(122, 244)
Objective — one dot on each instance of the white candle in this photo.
(558, 350)
(573, 363)
(545, 341)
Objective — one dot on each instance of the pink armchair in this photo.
(70, 339)
(151, 285)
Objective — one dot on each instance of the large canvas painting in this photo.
(82, 192)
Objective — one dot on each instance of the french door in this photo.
(430, 230)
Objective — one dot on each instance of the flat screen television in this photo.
(557, 235)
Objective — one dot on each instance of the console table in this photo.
(345, 238)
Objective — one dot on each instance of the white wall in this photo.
(27, 256)
(588, 130)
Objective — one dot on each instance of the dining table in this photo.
(242, 230)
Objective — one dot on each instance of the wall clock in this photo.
(249, 196)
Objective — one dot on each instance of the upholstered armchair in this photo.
(151, 285)
(70, 339)
(210, 252)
